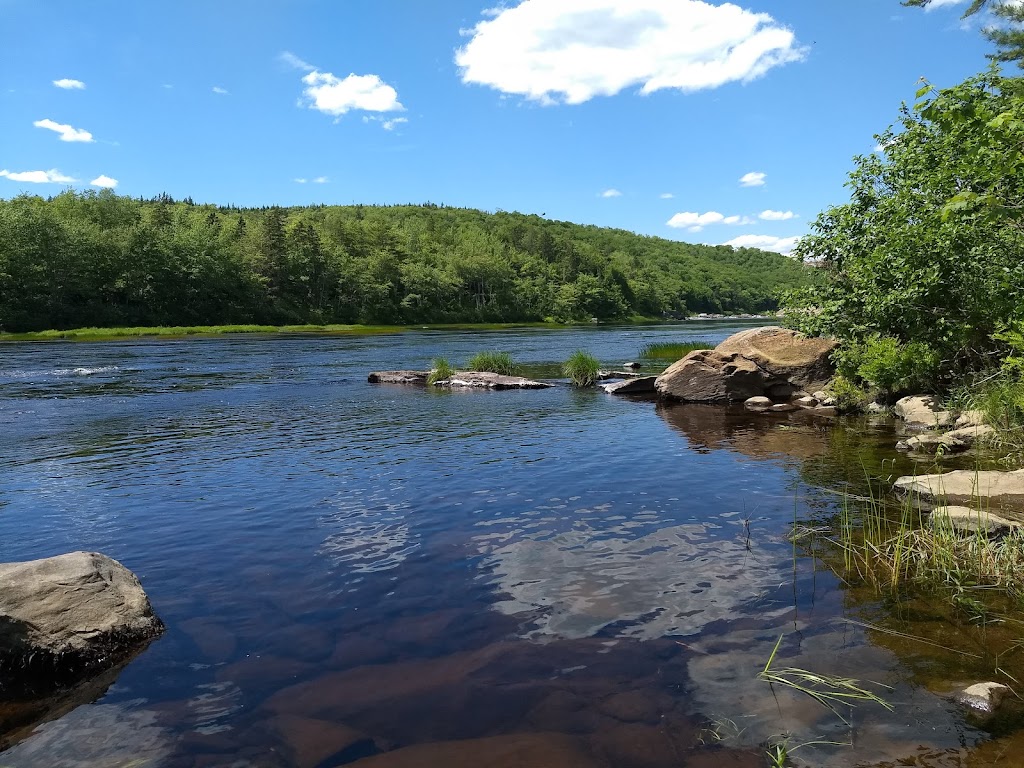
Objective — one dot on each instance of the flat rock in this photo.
(312, 742)
(399, 377)
(68, 617)
(968, 520)
(806, 402)
(922, 411)
(964, 487)
(707, 376)
(785, 354)
(487, 380)
(639, 386)
(983, 698)
(934, 442)
(784, 408)
(970, 419)
(973, 433)
(521, 750)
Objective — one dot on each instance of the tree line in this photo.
(85, 259)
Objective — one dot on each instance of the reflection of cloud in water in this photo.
(672, 581)
(108, 735)
(368, 534)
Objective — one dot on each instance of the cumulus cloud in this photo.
(104, 181)
(336, 96)
(52, 176)
(67, 133)
(784, 245)
(611, 193)
(69, 85)
(573, 50)
(695, 222)
(753, 179)
(222, 91)
(771, 215)
(666, 196)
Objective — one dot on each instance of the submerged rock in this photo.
(932, 443)
(399, 377)
(487, 380)
(922, 411)
(65, 618)
(968, 520)
(988, 489)
(536, 750)
(983, 698)
(637, 386)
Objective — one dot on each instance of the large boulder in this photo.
(922, 411)
(68, 617)
(707, 376)
(784, 354)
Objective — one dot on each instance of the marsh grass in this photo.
(493, 362)
(582, 369)
(673, 350)
(441, 370)
(178, 331)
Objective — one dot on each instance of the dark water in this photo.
(387, 576)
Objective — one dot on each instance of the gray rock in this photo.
(988, 489)
(631, 364)
(487, 380)
(399, 377)
(784, 408)
(970, 419)
(639, 386)
(706, 376)
(806, 402)
(784, 354)
(932, 443)
(922, 411)
(968, 520)
(780, 390)
(983, 698)
(877, 408)
(68, 617)
(759, 403)
(828, 411)
(972, 434)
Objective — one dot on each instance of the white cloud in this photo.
(295, 62)
(753, 179)
(737, 220)
(573, 50)
(939, 3)
(334, 96)
(222, 91)
(67, 133)
(771, 215)
(300, 181)
(695, 222)
(784, 245)
(389, 125)
(52, 176)
(69, 85)
(666, 196)
(321, 180)
(104, 181)
(611, 193)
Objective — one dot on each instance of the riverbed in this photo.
(389, 576)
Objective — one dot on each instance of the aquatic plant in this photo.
(441, 370)
(493, 362)
(673, 350)
(582, 369)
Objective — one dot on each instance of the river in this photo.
(386, 576)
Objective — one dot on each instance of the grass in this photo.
(98, 334)
(441, 370)
(673, 350)
(493, 362)
(582, 369)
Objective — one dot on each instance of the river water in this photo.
(388, 576)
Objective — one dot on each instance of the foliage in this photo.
(441, 370)
(493, 362)
(911, 257)
(97, 259)
(849, 397)
(582, 369)
(1008, 31)
(671, 350)
(888, 365)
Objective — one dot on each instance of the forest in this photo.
(98, 259)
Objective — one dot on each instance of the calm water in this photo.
(387, 576)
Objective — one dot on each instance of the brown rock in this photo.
(969, 520)
(639, 386)
(399, 377)
(760, 403)
(706, 376)
(784, 354)
(988, 489)
(311, 742)
(526, 750)
(922, 411)
(631, 707)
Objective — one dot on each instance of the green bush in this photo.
(493, 362)
(888, 365)
(582, 369)
(849, 397)
(441, 371)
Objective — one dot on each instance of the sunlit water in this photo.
(349, 570)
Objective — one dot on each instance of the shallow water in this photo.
(388, 576)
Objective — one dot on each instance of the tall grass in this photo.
(582, 369)
(441, 370)
(493, 362)
(672, 350)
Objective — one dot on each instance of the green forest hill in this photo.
(98, 259)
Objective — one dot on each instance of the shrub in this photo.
(493, 362)
(889, 365)
(441, 371)
(848, 396)
(582, 369)
(672, 350)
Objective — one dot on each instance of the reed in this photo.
(672, 350)
(493, 362)
(441, 370)
(582, 369)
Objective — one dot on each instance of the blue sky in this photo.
(695, 121)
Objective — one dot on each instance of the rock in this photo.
(706, 376)
(520, 750)
(399, 377)
(823, 398)
(488, 380)
(827, 411)
(970, 419)
(922, 411)
(631, 365)
(806, 402)
(68, 617)
(639, 386)
(312, 742)
(967, 520)
(780, 391)
(784, 354)
(973, 433)
(933, 443)
(986, 488)
(983, 698)
(784, 408)
(759, 403)
(877, 408)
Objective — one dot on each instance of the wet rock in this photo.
(983, 698)
(68, 617)
(759, 403)
(488, 380)
(932, 443)
(806, 402)
(784, 408)
(522, 750)
(631, 707)
(399, 377)
(922, 411)
(988, 489)
(631, 365)
(968, 520)
(784, 354)
(706, 376)
(780, 390)
(638, 386)
(312, 742)
(827, 411)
